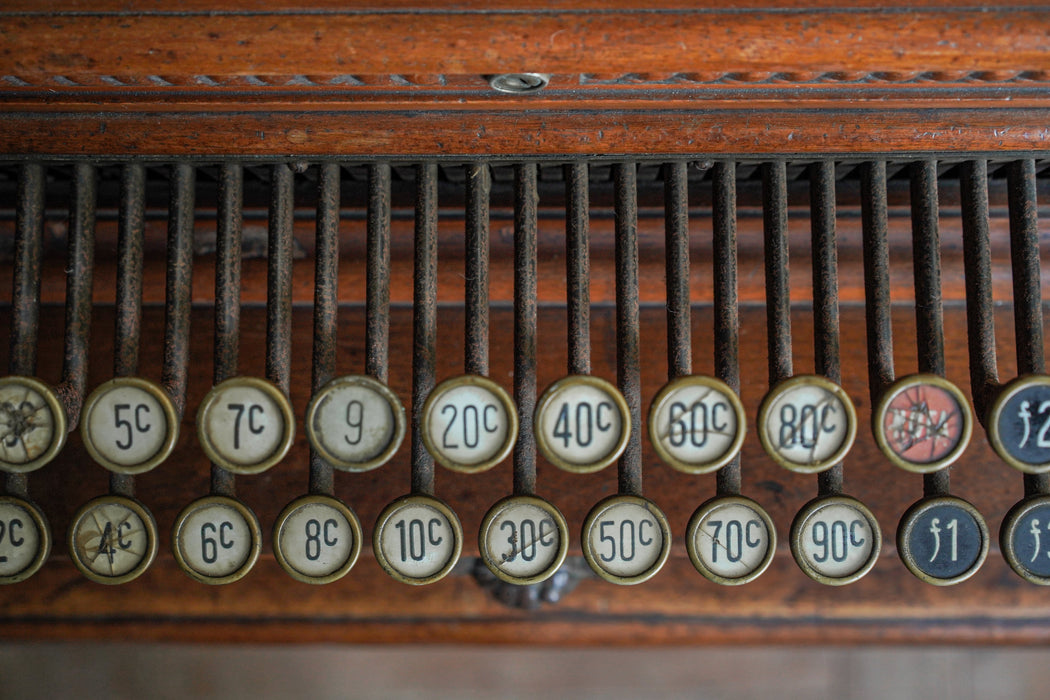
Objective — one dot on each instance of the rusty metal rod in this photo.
(977, 262)
(227, 293)
(876, 278)
(628, 372)
(578, 266)
(929, 316)
(476, 307)
(778, 286)
(676, 233)
(80, 263)
(727, 312)
(179, 285)
(424, 321)
(377, 293)
(526, 200)
(131, 233)
(1028, 304)
(326, 306)
(127, 332)
(279, 278)
(825, 293)
(25, 293)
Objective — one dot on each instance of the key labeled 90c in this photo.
(697, 424)
(245, 425)
(32, 424)
(582, 424)
(1019, 424)
(129, 425)
(469, 424)
(835, 540)
(807, 423)
(356, 423)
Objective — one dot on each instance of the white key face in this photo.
(245, 425)
(582, 424)
(626, 540)
(354, 422)
(732, 540)
(523, 540)
(215, 540)
(807, 424)
(697, 424)
(837, 540)
(19, 539)
(128, 426)
(27, 424)
(418, 541)
(468, 425)
(111, 539)
(316, 539)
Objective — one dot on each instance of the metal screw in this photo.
(518, 83)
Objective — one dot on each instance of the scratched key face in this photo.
(20, 538)
(732, 540)
(924, 423)
(27, 425)
(111, 539)
(524, 538)
(807, 425)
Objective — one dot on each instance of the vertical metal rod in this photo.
(25, 294)
(127, 331)
(526, 201)
(929, 317)
(825, 292)
(876, 278)
(476, 308)
(628, 372)
(80, 263)
(977, 261)
(326, 305)
(1024, 254)
(676, 232)
(227, 294)
(377, 322)
(778, 283)
(179, 285)
(727, 315)
(424, 322)
(578, 266)
(131, 225)
(1028, 305)
(279, 279)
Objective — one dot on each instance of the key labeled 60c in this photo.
(696, 424)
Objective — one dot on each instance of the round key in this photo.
(1025, 539)
(626, 539)
(1019, 424)
(835, 540)
(731, 540)
(129, 425)
(317, 539)
(355, 423)
(523, 540)
(216, 540)
(697, 424)
(32, 424)
(245, 425)
(469, 424)
(807, 423)
(113, 539)
(25, 539)
(922, 423)
(582, 424)
(942, 540)
(417, 539)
